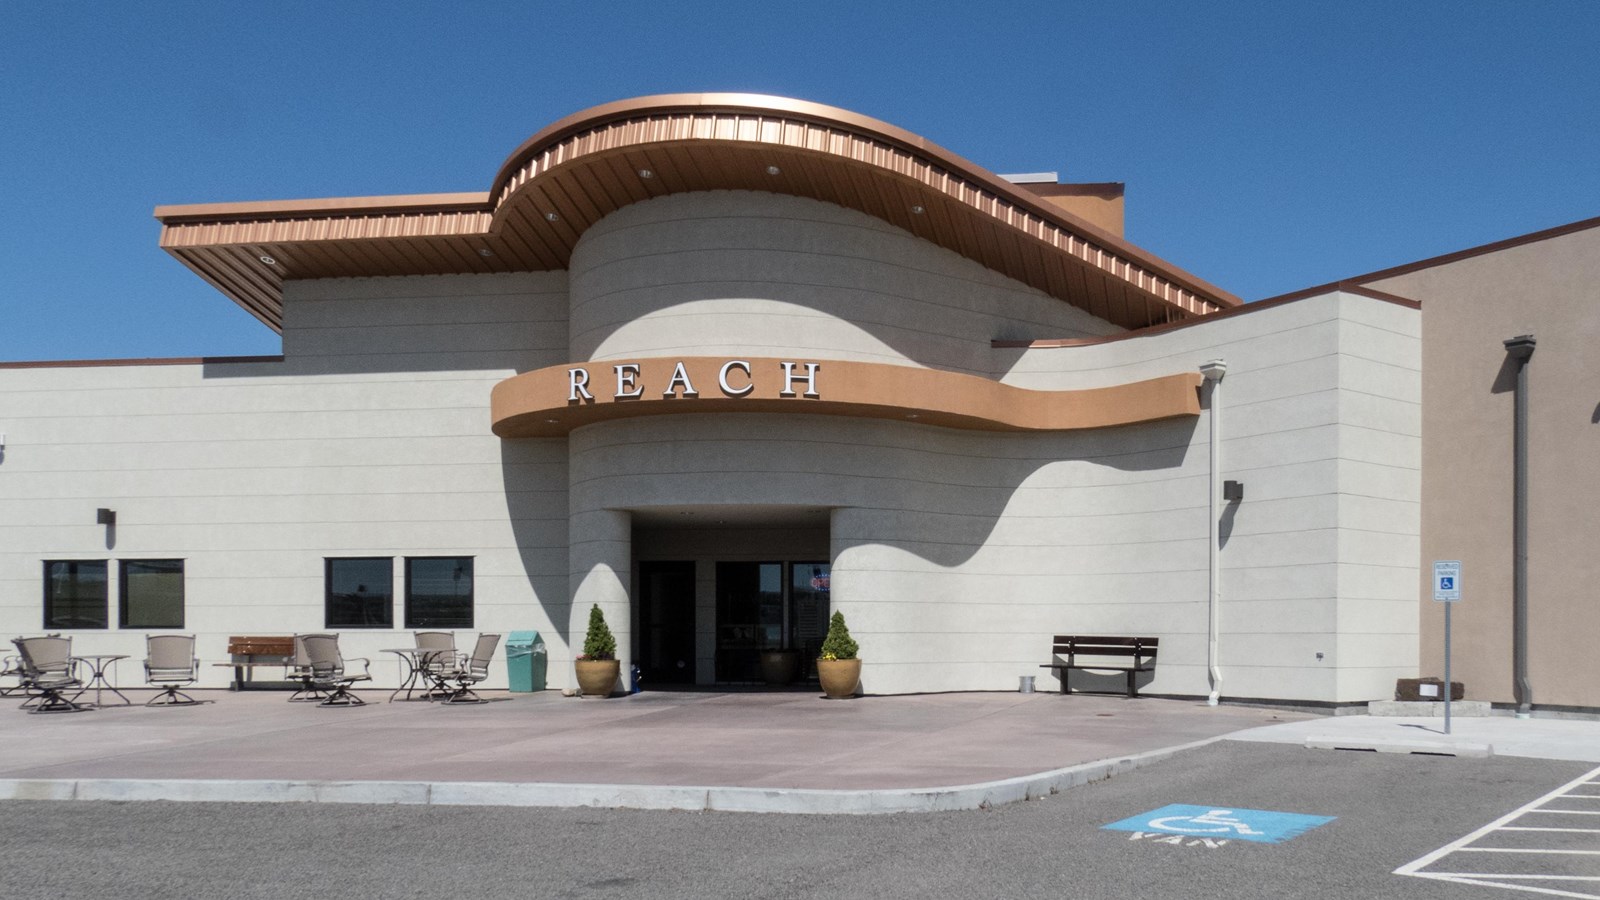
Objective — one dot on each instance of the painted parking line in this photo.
(1554, 847)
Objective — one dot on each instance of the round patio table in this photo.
(98, 664)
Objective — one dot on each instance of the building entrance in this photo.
(769, 606)
(666, 620)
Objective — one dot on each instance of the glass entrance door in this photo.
(666, 614)
(769, 606)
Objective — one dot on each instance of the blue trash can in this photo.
(526, 662)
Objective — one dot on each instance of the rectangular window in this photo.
(151, 593)
(75, 594)
(438, 592)
(360, 592)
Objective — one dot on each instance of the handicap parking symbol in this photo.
(1259, 825)
(1446, 583)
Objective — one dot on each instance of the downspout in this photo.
(1520, 348)
(1213, 372)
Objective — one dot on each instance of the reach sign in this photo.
(1447, 580)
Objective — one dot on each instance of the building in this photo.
(721, 364)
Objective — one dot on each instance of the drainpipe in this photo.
(1520, 349)
(1213, 372)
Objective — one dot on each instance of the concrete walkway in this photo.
(789, 752)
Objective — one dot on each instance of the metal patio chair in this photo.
(329, 670)
(439, 661)
(47, 671)
(170, 664)
(299, 670)
(472, 671)
(11, 667)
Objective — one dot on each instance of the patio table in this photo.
(98, 663)
(416, 660)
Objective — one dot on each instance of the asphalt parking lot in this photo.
(1385, 811)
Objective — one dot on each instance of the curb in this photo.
(808, 801)
(1474, 749)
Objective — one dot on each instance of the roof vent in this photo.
(1033, 178)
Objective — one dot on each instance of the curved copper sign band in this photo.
(551, 402)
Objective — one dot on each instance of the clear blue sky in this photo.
(1266, 146)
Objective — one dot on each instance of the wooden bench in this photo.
(1117, 654)
(248, 653)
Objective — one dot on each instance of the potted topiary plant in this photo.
(838, 668)
(598, 666)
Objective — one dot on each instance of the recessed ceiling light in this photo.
(917, 210)
(773, 170)
(485, 252)
(269, 260)
(646, 174)
(553, 217)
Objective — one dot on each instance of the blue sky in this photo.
(1265, 146)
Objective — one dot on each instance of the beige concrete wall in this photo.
(747, 273)
(956, 554)
(1318, 419)
(1469, 307)
(370, 439)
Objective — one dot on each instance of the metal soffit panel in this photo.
(582, 168)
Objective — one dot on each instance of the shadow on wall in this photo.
(534, 471)
(934, 493)
(803, 276)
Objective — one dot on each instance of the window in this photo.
(75, 594)
(438, 592)
(151, 593)
(360, 592)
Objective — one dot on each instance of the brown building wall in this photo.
(1549, 288)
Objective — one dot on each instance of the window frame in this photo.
(327, 593)
(48, 606)
(122, 593)
(412, 622)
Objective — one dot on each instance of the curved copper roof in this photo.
(577, 170)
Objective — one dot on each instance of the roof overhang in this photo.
(576, 171)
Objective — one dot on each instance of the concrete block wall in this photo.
(753, 274)
(370, 439)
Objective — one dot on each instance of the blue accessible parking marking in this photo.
(1259, 825)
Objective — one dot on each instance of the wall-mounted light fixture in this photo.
(103, 516)
(1233, 491)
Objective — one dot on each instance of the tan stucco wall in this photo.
(1550, 289)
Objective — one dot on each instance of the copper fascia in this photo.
(228, 244)
(540, 404)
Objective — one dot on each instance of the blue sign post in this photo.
(1447, 590)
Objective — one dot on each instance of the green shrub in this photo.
(598, 643)
(838, 644)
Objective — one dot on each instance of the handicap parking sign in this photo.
(1228, 823)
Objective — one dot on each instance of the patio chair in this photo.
(170, 664)
(440, 662)
(47, 672)
(473, 670)
(299, 670)
(11, 667)
(329, 671)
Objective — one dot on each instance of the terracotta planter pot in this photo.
(597, 677)
(779, 667)
(839, 677)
